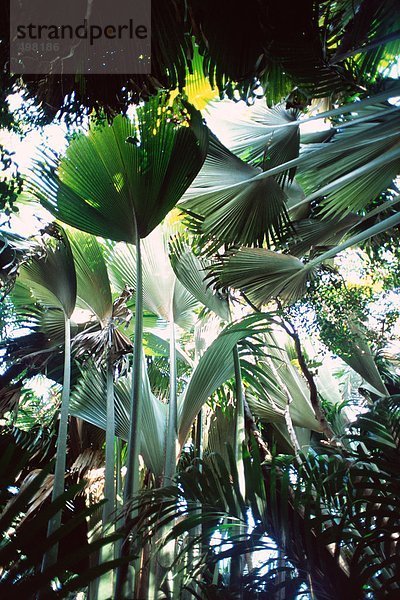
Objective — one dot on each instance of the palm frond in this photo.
(262, 274)
(258, 134)
(88, 402)
(359, 163)
(93, 286)
(126, 175)
(266, 396)
(22, 550)
(162, 293)
(52, 277)
(191, 270)
(214, 368)
(229, 204)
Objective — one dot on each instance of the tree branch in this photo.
(314, 397)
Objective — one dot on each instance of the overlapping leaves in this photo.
(124, 178)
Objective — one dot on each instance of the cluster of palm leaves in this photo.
(26, 485)
(309, 50)
(332, 515)
(157, 303)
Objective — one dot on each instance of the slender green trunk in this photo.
(104, 587)
(237, 562)
(50, 557)
(198, 443)
(159, 565)
(132, 475)
(172, 425)
(109, 484)
(118, 450)
(239, 415)
(195, 551)
(124, 579)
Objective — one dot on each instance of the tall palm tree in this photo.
(102, 340)
(119, 182)
(51, 278)
(168, 299)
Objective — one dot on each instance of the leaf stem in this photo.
(132, 474)
(109, 486)
(172, 426)
(50, 558)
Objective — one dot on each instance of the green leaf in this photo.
(191, 271)
(262, 274)
(265, 395)
(213, 369)
(228, 203)
(51, 277)
(93, 289)
(88, 402)
(258, 134)
(125, 177)
(359, 163)
(360, 358)
(162, 292)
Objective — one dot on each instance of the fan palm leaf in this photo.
(191, 270)
(251, 131)
(230, 204)
(258, 134)
(51, 277)
(161, 290)
(266, 395)
(214, 368)
(360, 357)
(93, 285)
(357, 161)
(125, 176)
(88, 402)
(262, 274)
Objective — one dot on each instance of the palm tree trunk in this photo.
(118, 449)
(109, 484)
(131, 487)
(132, 474)
(172, 425)
(50, 558)
(237, 562)
(194, 551)
(239, 416)
(159, 565)
(198, 436)
(104, 585)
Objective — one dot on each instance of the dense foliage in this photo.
(199, 392)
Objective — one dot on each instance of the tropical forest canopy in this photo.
(199, 333)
